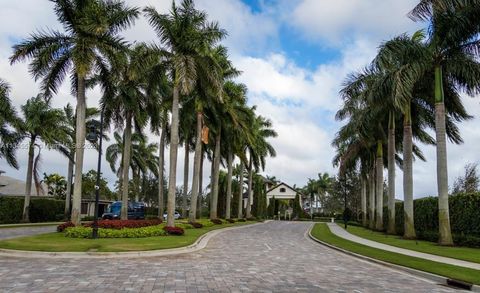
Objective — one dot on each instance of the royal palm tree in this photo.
(188, 35)
(40, 123)
(451, 54)
(258, 149)
(68, 147)
(90, 38)
(8, 120)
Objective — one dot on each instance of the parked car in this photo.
(176, 215)
(136, 211)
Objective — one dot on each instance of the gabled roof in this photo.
(285, 184)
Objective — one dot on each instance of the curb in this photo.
(199, 244)
(429, 276)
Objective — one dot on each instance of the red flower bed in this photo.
(62, 227)
(174, 230)
(119, 224)
(114, 224)
(196, 225)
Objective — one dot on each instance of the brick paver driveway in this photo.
(273, 257)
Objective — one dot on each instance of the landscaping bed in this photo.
(458, 252)
(323, 233)
(57, 242)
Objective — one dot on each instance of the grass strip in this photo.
(57, 242)
(462, 253)
(323, 233)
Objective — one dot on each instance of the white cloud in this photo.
(335, 21)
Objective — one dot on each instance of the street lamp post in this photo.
(92, 137)
(345, 201)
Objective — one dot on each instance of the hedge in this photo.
(41, 209)
(86, 232)
(464, 218)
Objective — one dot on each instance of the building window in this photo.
(282, 189)
(84, 208)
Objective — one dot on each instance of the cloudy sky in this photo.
(294, 55)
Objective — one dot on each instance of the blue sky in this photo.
(294, 55)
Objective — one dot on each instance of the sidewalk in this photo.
(340, 232)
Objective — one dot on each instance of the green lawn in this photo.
(57, 242)
(323, 233)
(463, 253)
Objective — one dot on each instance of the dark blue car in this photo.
(136, 211)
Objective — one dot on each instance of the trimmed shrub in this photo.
(86, 232)
(174, 231)
(230, 221)
(196, 225)
(88, 218)
(241, 220)
(464, 218)
(206, 223)
(62, 227)
(216, 221)
(41, 209)
(251, 219)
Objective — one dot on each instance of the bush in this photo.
(464, 218)
(206, 223)
(230, 221)
(251, 219)
(241, 220)
(88, 218)
(151, 217)
(41, 209)
(174, 231)
(62, 227)
(196, 225)
(120, 224)
(86, 232)
(216, 221)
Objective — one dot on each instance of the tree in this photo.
(450, 54)
(469, 182)
(90, 38)
(89, 182)
(40, 123)
(68, 148)
(8, 120)
(186, 33)
(56, 184)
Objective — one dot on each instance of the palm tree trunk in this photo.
(379, 185)
(172, 176)
(137, 184)
(185, 178)
(240, 195)
(216, 174)
(200, 186)
(445, 234)
(161, 166)
(371, 202)
(126, 163)
(79, 152)
(364, 201)
(28, 184)
(391, 174)
(68, 197)
(229, 185)
(196, 168)
(409, 224)
(250, 185)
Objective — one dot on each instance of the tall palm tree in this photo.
(186, 33)
(91, 37)
(40, 123)
(126, 102)
(8, 120)
(451, 54)
(258, 149)
(67, 147)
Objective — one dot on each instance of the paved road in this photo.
(6, 233)
(274, 257)
(339, 231)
